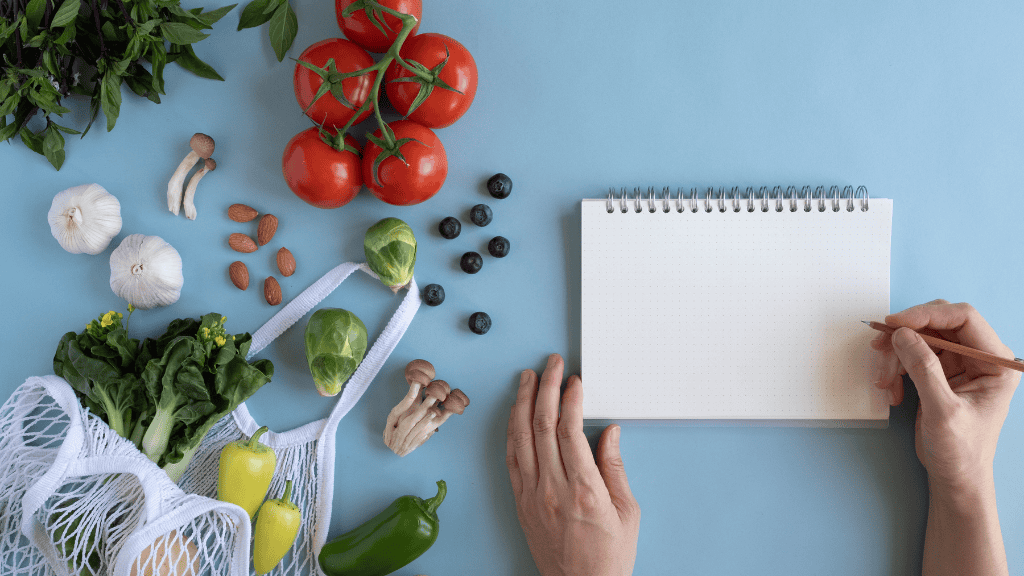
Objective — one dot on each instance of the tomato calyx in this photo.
(389, 146)
(374, 14)
(332, 80)
(428, 79)
(336, 141)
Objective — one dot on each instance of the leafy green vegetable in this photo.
(390, 248)
(52, 49)
(165, 393)
(284, 25)
(335, 345)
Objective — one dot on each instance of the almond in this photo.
(266, 229)
(285, 262)
(272, 291)
(241, 243)
(242, 213)
(239, 275)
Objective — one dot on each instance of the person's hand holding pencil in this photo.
(964, 402)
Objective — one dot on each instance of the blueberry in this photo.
(450, 227)
(471, 262)
(433, 294)
(499, 246)
(481, 214)
(500, 186)
(480, 322)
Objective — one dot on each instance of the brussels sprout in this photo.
(391, 252)
(335, 345)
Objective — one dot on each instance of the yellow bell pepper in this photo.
(276, 529)
(246, 468)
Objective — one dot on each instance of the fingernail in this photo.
(905, 337)
(890, 397)
(616, 431)
(523, 377)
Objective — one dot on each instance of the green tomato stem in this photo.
(408, 23)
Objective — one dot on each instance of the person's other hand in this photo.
(963, 401)
(579, 516)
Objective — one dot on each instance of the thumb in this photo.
(925, 370)
(609, 462)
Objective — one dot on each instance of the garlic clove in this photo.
(84, 219)
(146, 271)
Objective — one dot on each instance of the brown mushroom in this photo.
(410, 424)
(202, 147)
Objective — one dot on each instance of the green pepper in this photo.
(386, 542)
(276, 529)
(246, 469)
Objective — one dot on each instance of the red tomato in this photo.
(358, 28)
(415, 180)
(442, 107)
(348, 57)
(318, 173)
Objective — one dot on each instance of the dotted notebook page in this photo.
(733, 316)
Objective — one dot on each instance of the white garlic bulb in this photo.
(84, 219)
(146, 271)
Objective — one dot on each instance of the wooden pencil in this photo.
(1015, 364)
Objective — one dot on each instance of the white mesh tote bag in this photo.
(77, 498)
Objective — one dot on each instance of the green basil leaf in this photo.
(273, 6)
(255, 14)
(64, 39)
(110, 98)
(7, 130)
(284, 25)
(158, 59)
(178, 33)
(189, 61)
(67, 13)
(53, 147)
(210, 18)
(34, 12)
(32, 140)
(65, 129)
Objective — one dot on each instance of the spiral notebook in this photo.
(734, 307)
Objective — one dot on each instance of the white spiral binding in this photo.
(721, 200)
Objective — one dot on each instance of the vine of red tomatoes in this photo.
(430, 79)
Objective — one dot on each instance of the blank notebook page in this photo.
(734, 316)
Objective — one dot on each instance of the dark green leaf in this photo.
(65, 129)
(53, 147)
(34, 12)
(109, 31)
(178, 33)
(67, 13)
(7, 130)
(65, 37)
(273, 6)
(210, 18)
(284, 25)
(254, 14)
(158, 59)
(189, 61)
(110, 98)
(32, 140)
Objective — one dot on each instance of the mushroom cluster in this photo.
(177, 197)
(428, 404)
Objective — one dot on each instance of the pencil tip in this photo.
(866, 322)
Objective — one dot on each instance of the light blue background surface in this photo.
(921, 102)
